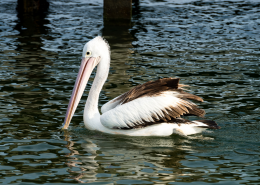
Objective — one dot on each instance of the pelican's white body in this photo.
(162, 129)
(116, 115)
(92, 121)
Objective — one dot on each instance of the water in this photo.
(213, 46)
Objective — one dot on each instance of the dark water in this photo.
(212, 46)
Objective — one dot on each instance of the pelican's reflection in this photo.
(85, 162)
(104, 158)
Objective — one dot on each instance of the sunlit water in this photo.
(213, 46)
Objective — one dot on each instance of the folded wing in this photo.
(151, 103)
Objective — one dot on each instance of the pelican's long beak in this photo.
(86, 67)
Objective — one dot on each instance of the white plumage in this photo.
(152, 109)
(140, 110)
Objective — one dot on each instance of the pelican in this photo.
(151, 109)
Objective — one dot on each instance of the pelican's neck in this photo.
(91, 113)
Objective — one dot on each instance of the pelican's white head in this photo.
(96, 47)
(94, 52)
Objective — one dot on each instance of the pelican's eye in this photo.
(88, 53)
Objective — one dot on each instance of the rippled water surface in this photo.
(213, 46)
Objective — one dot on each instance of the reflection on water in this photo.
(127, 158)
(212, 46)
(105, 158)
(28, 66)
(120, 41)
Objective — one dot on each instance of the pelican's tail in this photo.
(195, 127)
(207, 124)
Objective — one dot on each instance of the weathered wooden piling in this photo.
(32, 7)
(117, 11)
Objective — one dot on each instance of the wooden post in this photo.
(32, 7)
(117, 11)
